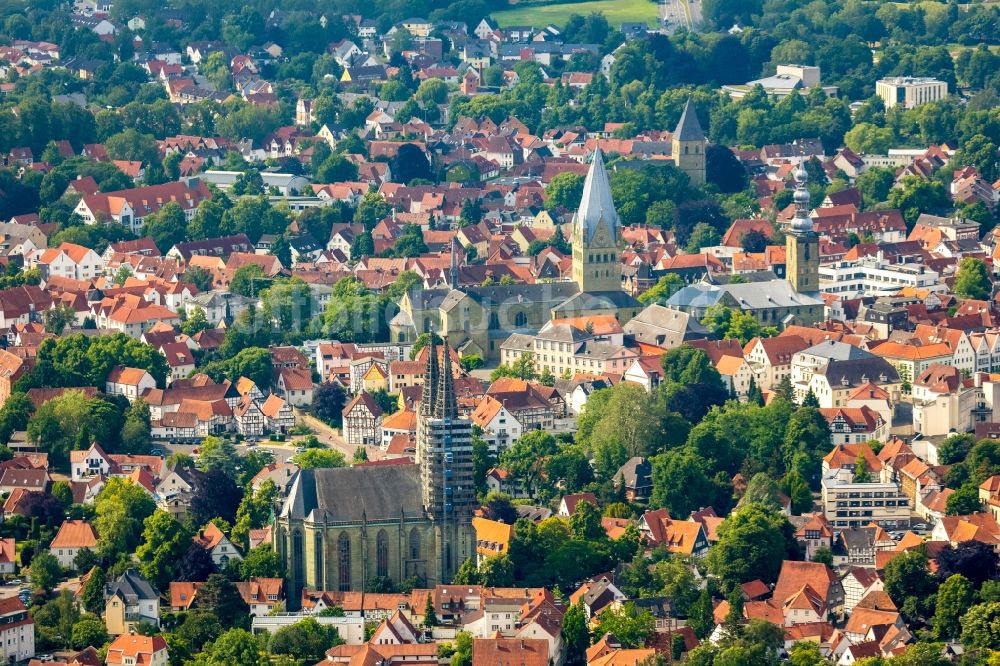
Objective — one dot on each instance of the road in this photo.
(680, 13)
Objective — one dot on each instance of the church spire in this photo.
(801, 223)
(689, 128)
(596, 203)
(429, 396)
(446, 406)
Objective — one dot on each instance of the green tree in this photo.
(122, 508)
(875, 184)
(136, 436)
(753, 541)
(89, 631)
(167, 226)
(262, 562)
(665, 287)
(165, 540)
(430, 617)
(525, 458)
(908, 579)
(806, 653)
(628, 624)
(954, 598)
(972, 280)
(964, 501)
(574, 635)
(220, 597)
(198, 276)
(700, 616)
(306, 641)
(248, 280)
(867, 139)
(236, 646)
(981, 626)
(703, 235)
(564, 191)
(45, 571)
(92, 596)
(58, 318)
(319, 458)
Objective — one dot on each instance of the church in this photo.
(480, 319)
(339, 528)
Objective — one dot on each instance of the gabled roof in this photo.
(75, 534)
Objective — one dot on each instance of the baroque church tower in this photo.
(596, 263)
(444, 455)
(802, 242)
(689, 145)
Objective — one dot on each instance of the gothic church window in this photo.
(382, 554)
(344, 562)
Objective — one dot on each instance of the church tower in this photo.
(802, 242)
(689, 145)
(444, 453)
(596, 263)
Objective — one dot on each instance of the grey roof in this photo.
(518, 341)
(748, 296)
(838, 351)
(132, 587)
(658, 325)
(636, 473)
(596, 203)
(688, 128)
(351, 494)
(856, 372)
(592, 301)
(562, 333)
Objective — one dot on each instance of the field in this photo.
(616, 11)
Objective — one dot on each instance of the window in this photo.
(318, 555)
(344, 562)
(414, 544)
(382, 553)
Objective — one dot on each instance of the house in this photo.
(636, 475)
(129, 382)
(492, 537)
(176, 489)
(819, 577)
(262, 595)
(17, 631)
(129, 600)
(89, 463)
(8, 556)
(855, 425)
(683, 537)
(249, 417)
(212, 539)
(858, 582)
(295, 386)
(31, 480)
(363, 421)
(568, 504)
(770, 359)
(133, 650)
(130, 207)
(278, 414)
(182, 594)
(71, 261)
(72, 537)
(500, 428)
(510, 652)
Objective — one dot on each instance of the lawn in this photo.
(616, 11)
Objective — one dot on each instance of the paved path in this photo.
(332, 438)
